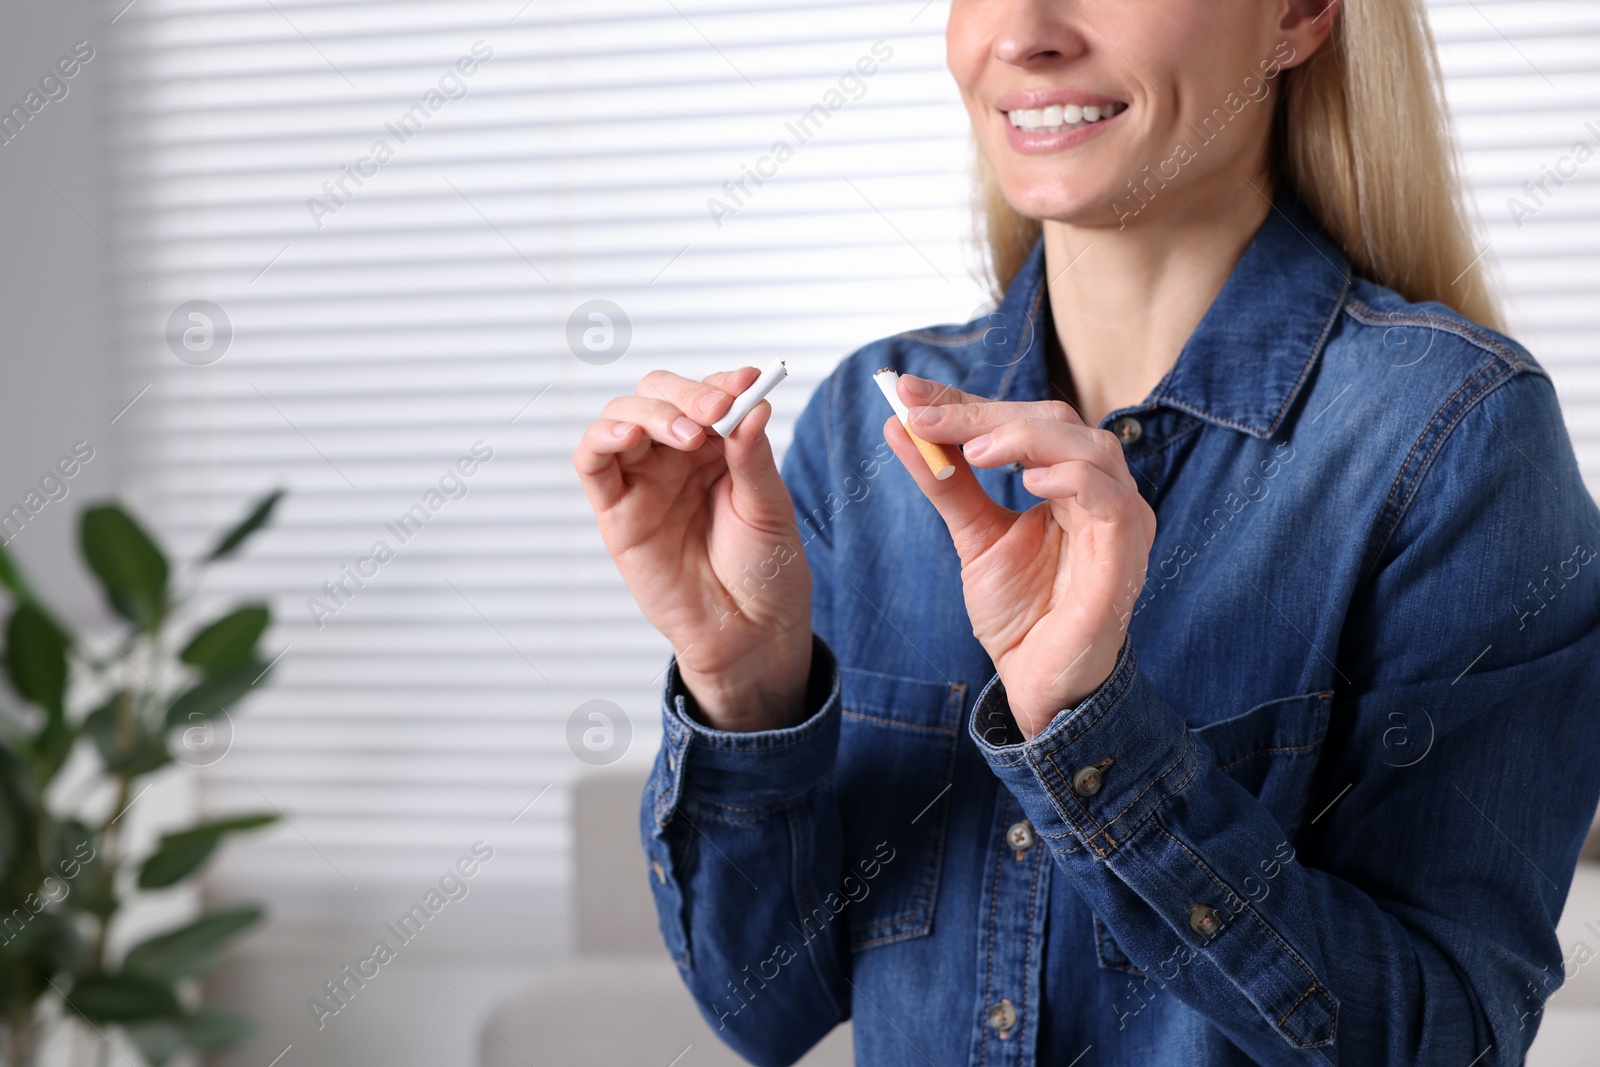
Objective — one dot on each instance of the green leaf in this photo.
(61, 948)
(127, 562)
(214, 694)
(175, 861)
(182, 853)
(192, 949)
(18, 825)
(36, 657)
(159, 1040)
(102, 727)
(76, 861)
(162, 1039)
(11, 577)
(29, 931)
(50, 747)
(253, 522)
(212, 1029)
(121, 998)
(229, 641)
(125, 745)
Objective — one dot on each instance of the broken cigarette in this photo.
(936, 456)
(745, 401)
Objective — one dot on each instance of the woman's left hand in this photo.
(1050, 590)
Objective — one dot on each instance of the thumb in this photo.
(759, 495)
(975, 520)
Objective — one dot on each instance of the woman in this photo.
(1235, 700)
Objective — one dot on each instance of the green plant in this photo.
(64, 875)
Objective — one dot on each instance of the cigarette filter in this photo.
(936, 456)
(745, 401)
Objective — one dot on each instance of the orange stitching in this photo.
(1131, 830)
(1266, 929)
(1265, 751)
(943, 731)
(1467, 330)
(1316, 350)
(1426, 463)
(1188, 750)
(1296, 1004)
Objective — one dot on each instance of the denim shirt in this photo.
(1327, 806)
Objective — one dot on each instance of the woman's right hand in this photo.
(702, 529)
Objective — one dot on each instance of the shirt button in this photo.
(1128, 429)
(1087, 782)
(1020, 836)
(1204, 920)
(1002, 1017)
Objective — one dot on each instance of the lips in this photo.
(1059, 121)
(1049, 120)
(1040, 98)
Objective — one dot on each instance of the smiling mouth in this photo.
(1061, 118)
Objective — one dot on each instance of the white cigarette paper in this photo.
(934, 455)
(745, 401)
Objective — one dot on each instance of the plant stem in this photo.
(22, 1032)
(108, 857)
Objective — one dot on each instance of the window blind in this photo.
(405, 258)
(1525, 90)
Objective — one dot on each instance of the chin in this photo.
(1075, 199)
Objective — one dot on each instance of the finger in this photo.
(974, 519)
(615, 440)
(759, 495)
(959, 422)
(664, 422)
(732, 382)
(1087, 484)
(596, 459)
(914, 390)
(702, 401)
(1041, 442)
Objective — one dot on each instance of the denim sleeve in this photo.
(742, 838)
(1411, 920)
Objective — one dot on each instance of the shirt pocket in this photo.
(1272, 750)
(897, 749)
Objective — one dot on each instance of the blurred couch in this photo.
(619, 1000)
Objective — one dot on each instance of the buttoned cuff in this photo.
(746, 776)
(1102, 766)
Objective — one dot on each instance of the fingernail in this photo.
(685, 428)
(927, 416)
(622, 429)
(709, 401)
(977, 446)
(918, 387)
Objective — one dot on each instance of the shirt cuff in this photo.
(747, 775)
(1103, 766)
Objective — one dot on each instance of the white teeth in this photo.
(1058, 117)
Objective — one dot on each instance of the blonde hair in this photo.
(1362, 135)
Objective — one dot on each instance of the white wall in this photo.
(58, 383)
(59, 375)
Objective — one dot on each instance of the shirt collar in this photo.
(1246, 361)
